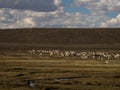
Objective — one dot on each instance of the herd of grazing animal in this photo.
(83, 55)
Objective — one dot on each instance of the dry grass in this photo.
(48, 74)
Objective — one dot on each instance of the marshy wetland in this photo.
(63, 74)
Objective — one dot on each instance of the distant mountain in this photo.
(60, 36)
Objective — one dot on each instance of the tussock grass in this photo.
(76, 74)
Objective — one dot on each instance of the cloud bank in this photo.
(99, 5)
(51, 14)
(114, 22)
(36, 5)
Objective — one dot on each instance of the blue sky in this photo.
(83, 9)
(112, 14)
(59, 13)
(71, 9)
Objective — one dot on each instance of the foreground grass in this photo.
(59, 74)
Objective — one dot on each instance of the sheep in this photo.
(106, 61)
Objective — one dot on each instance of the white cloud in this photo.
(100, 5)
(114, 22)
(59, 5)
(11, 18)
(57, 2)
(29, 21)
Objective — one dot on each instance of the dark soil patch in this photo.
(20, 75)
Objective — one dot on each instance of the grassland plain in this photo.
(59, 74)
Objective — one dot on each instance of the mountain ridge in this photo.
(58, 36)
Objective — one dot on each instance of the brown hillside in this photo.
(60, 36)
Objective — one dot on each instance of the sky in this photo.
(59, 14)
